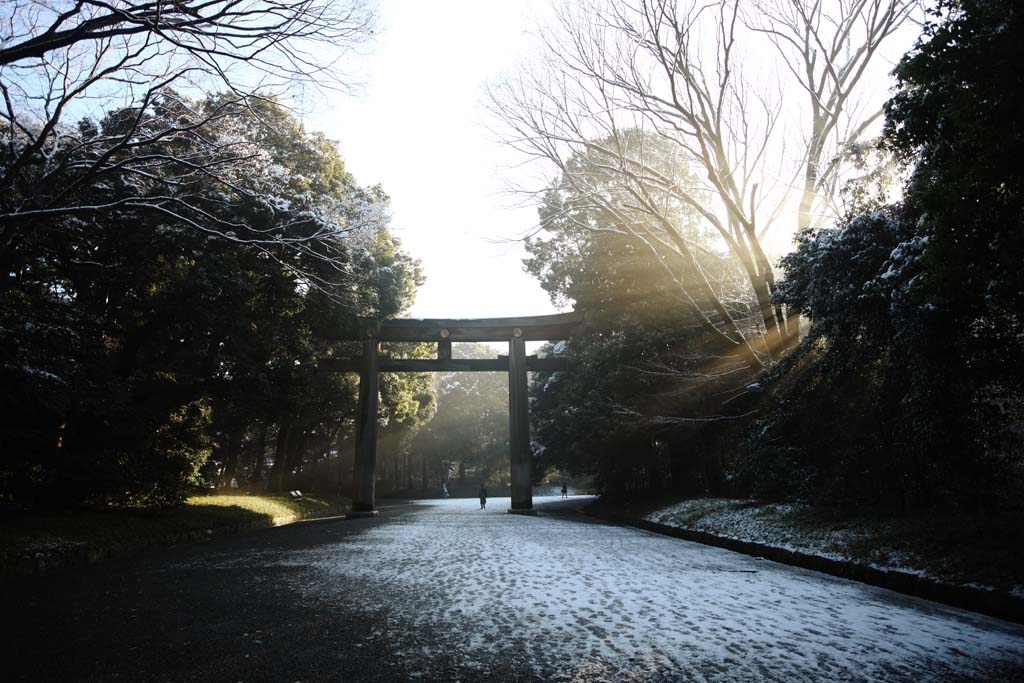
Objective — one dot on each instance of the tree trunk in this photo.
(680, 469)
(231, 459)
(296, 452)
(346, 468)
(260, 453)
(773, 333)
(810, 192)
(275, 482)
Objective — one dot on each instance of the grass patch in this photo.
(278, 509)
(39, 541)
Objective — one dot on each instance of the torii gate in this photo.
(516, 331)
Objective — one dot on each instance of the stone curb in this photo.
(991, 602)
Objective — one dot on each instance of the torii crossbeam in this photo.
(516, 331)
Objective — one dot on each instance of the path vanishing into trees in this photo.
(440, 590)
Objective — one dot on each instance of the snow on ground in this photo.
(771, 524)
(582, 601)
(758, 523)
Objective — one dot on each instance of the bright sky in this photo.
(419, 130)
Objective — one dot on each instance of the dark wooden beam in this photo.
(456, 365)
(530, 328)
(500, 364)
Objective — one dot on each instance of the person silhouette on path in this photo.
(483, 497)
(565, 490)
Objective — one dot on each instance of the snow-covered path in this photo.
(571, 599)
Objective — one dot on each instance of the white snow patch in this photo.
(43, 374)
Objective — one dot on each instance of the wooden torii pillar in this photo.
(519, 427)
(366, 431)
(516, 331)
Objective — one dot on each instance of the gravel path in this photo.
(442, 591)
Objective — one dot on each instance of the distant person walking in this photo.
(483, 497)
(565, 490)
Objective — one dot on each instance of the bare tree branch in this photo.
(155, 66)
(683, 73)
